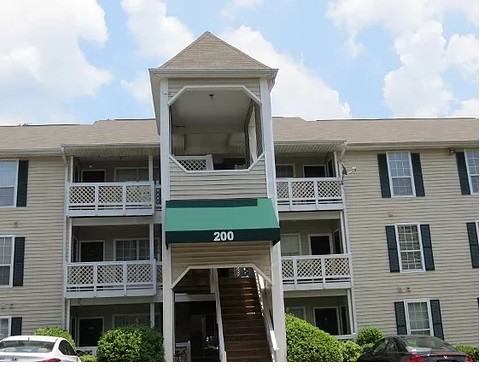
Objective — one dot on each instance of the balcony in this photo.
(309, 194)
(111, 279)
(112, 199)
(317, 272)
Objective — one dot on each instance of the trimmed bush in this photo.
(306, 343)
(88, 358)
(351, 351)
(131, 344)
(56, 332)
(368, 335)
(472, 351)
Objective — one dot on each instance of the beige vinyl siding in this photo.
(175, 85)
(39, 300)
(223, 255)
(218, 184)
(454, 282)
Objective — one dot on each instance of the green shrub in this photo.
(56, 332)
(306, 343)
(351, 351)
(88, 358)
(131, 344)
(368, 335)
(472, 351)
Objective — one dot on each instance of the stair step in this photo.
(241, 311)
(246, 345)
(258, 334)
(244, 353)
(224, 280)
(238, 290)
(244, 330)
(239, 302)
(251, 319)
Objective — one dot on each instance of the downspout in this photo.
(64, 322)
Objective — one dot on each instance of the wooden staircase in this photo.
(243, 325)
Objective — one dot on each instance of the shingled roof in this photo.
(210, 52)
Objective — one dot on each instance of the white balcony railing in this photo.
(111, 199)
(298, 194)
(110, 279)
(316, 272)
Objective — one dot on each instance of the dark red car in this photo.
(413, 348)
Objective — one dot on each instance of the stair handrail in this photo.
(267, 316)
(219, 319)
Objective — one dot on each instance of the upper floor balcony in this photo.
(317, 272)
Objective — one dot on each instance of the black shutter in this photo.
(473, 239)
(18, 261)
(437, 321)
(427, 247)
(384, 176)
(16, 328)
(392, 249)
(417, 174)
(23, 173)
(462, 173)
(400, 317)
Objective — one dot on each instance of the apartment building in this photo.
(211, 220)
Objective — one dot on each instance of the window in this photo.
(66, 349)
(4, 327)
(410, 248)
(472, 164)
(299, 312)
(418, 317)
(120, 320)
(290, 245)
(6, 261)
(314, 171)
(284, 171)
(400, 173)
(8, 182)
(132, 250)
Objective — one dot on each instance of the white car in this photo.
(36, 348)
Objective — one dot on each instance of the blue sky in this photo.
(87, 60)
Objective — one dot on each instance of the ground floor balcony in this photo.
(314, 272)
(113, 199)
(309, 194)
(113, 279)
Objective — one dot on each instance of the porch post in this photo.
(152, 314)
(151, 242)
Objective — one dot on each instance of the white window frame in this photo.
(293, 170)
(470, 182)
(15, 187)
(114, 325)
(413, 188)
(10, 282)
(137, 249)
(9, 325)
(288, 308)
(331, 242)
(299, 240)
(406, 314)
(337, 315)
(423, 264)
(311, 165)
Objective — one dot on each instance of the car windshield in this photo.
(21, 346)
(426, 344)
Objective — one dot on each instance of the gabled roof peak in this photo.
(211, 52)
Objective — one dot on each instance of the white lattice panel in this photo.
(337, 267)
(159, 275)
(139, 273)
(309, 268)
(304, 189)
(282, 190)
(138, 194)
(329, 189)
(80, 275)
(82, 194)
(287, 269)
(110, 194)
(110, 273)
(195, 164)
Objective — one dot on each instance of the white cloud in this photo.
(41, 63)
(468, 108)
(417, 87)
(298, 91)
(157, 34)
(140, 87)
(233, 6)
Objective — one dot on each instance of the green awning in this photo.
(202, 221)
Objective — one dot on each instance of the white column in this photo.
(168, 296)
(278, 310)
(152, 255)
